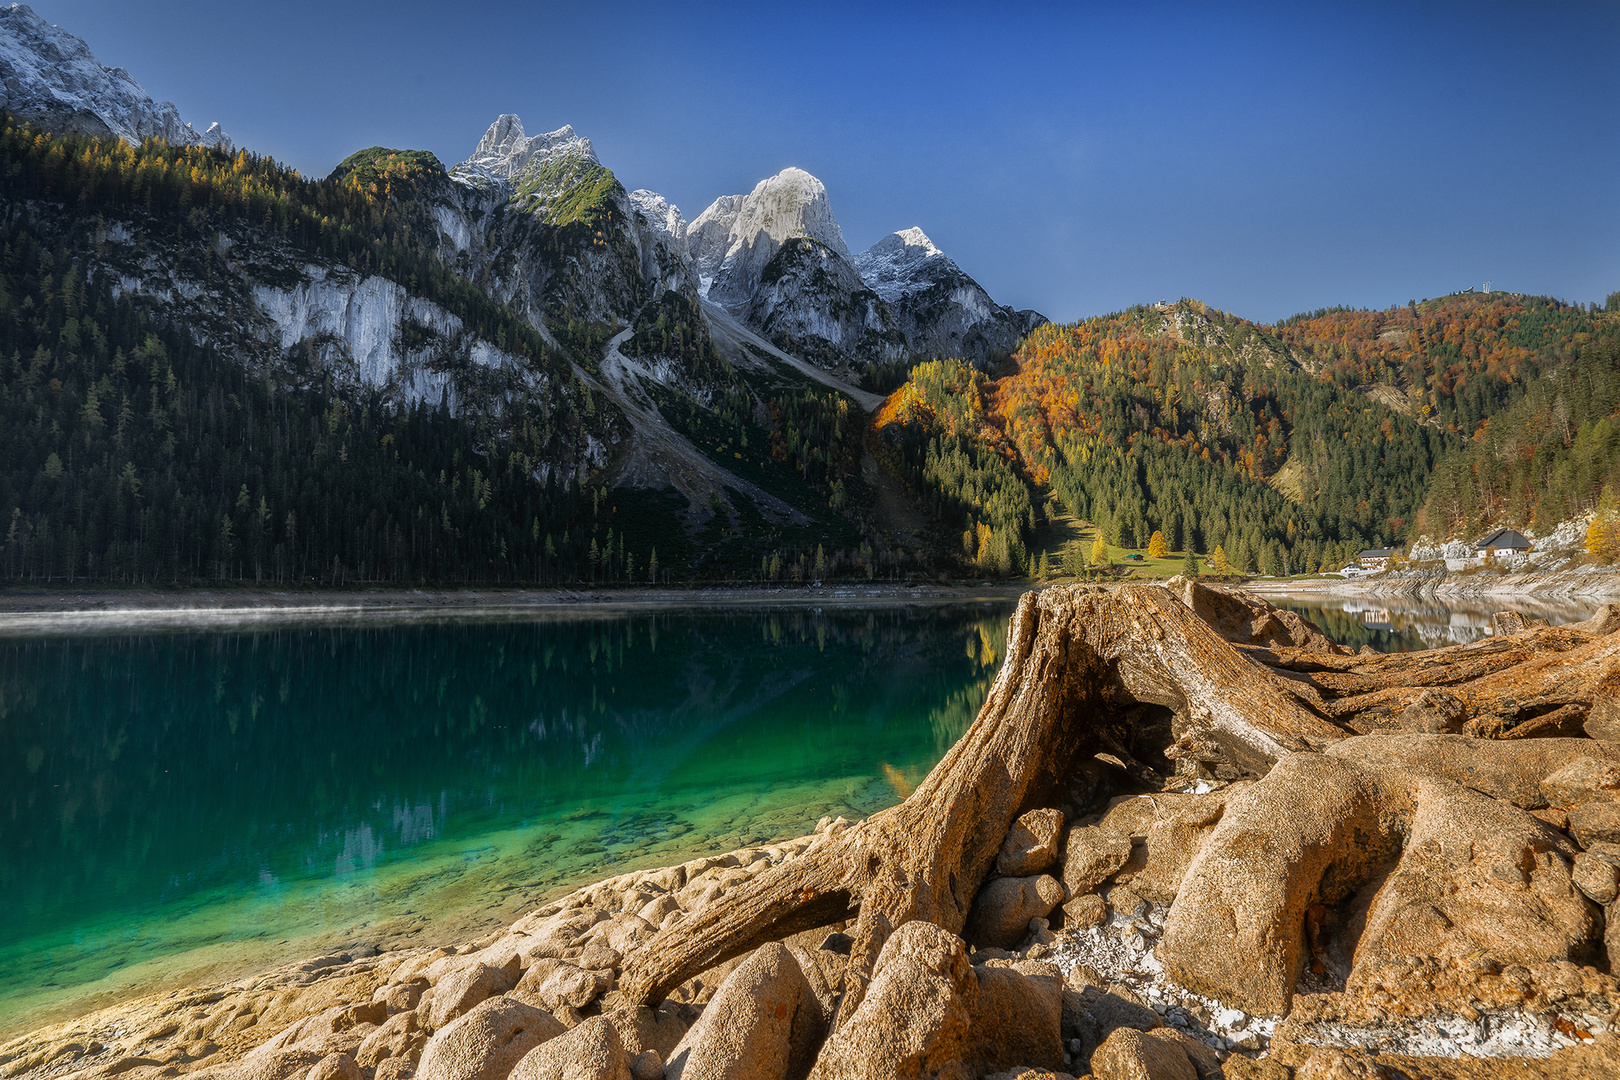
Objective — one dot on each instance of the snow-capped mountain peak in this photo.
(940, 310)
(505, 151)
(50, 77)
(891, 266)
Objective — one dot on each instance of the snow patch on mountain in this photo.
(505, 151)
(49, 77)
(780, 208)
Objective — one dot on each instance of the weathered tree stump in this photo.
(1205, 682)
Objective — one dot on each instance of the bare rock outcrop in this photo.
(764, 1022)
(487, 1042)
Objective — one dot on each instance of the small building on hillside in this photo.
(1375, 559)
(1500, 542)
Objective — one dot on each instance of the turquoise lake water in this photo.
(180, 808)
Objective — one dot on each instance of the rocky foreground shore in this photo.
(1188, 837)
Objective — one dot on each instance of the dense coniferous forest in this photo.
(134, 453)
(1549, 455)
(937, 435)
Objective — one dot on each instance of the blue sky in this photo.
(1075, 158)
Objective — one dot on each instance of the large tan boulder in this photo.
(1236, 930)
(641, 1029)
(457, 992)
(1032, 844)
(1167, 831)
(1603, 718)
(763, 1024)
(592, 1051)
(401, 996)
(401, 1035)
(928, 1012)
(1092, 857)
(487, 1042)
(1597, 873)
(1594, 823)
(1144, 841)
(554, 936)
(1128, 1054)
(1584, 780)
(824, 970)
(1092, 1012)
(334, 1031)
(1002, 910)
(556, 984)
(1017, 1017)
(336, 1067)
(284, 1063)
(917, 1014)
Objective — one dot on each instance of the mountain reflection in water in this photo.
(187, 805)
(1399, 624)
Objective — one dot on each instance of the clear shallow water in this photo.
(177, 807)
(1397, 624)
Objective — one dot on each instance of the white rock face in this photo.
(366, 315)
(812, 299)
(709, 236)
(505, 151)
(792, 203)
(49, 77)
(664, 219)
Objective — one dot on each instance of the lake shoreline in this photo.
(26, 611)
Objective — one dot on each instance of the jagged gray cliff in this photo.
(49, 77)
(777, 259)
(938, 309)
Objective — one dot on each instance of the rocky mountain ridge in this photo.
(737, 236)
(777, 258)
(939, 309)
(48, 76)
(571, 328)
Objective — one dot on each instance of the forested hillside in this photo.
(1550, 454)
(131, 453)
(140, 446)
(1531, 385)
(1288, 446)
(145, 440)
(1456, 360)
